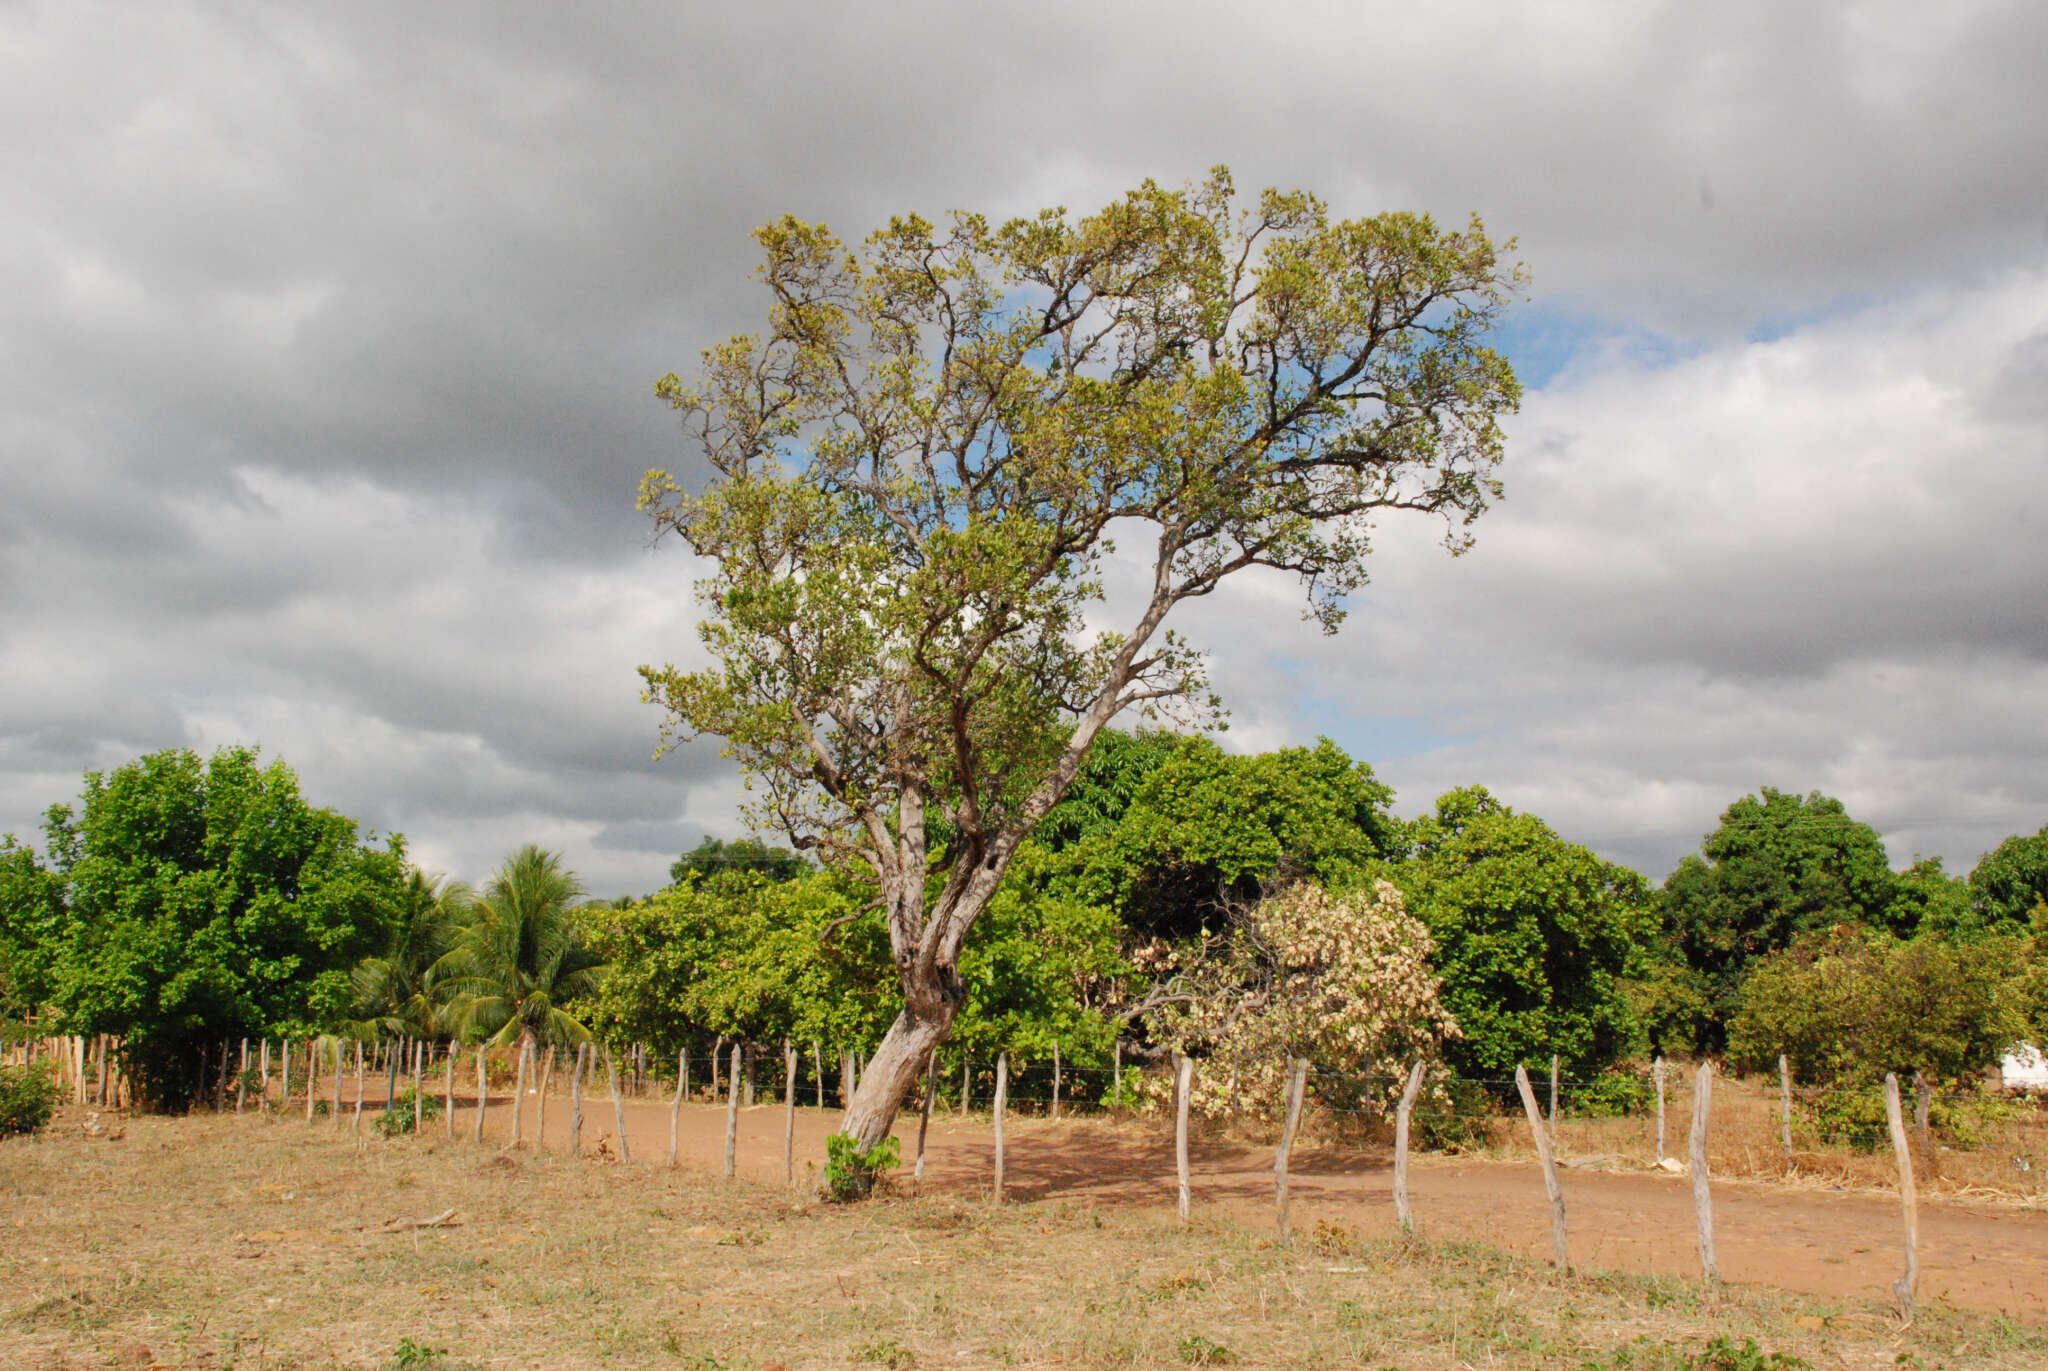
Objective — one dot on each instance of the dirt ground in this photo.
(1982, 1256)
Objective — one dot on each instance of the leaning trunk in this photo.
(896, 1068)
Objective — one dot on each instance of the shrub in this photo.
(397, 1120)
(28, 1098)
(853, 1174)
(1612, 1095)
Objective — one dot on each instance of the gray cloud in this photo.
(327, 339)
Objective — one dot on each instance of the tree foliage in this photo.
(209, 902)
(920, 465)
(1341, 979)
(715, 855)
(1778, 865)
(1850, 1003)
(1534, 936)
(2011, 881)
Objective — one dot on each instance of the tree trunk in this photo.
(893, 1072)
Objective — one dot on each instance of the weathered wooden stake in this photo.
(1401, 1113)
(340, 1068)
(263, 1071)
(1702, 1190)
(924, 1123)
(1785, 1108)
(818, 1064)
(1183, 1088)
(519, 1098)
(483, 1052)
(1055, 1080)
(241, 1074)
(284, 1090)
(1002, 1098)
(540, 1113)
(1116, 1086)
(576, 1098)
(789, 1056)
(1909, 1206)
(1297, 1080)
(448, 1091)
(717, 1051)
(732, 1113)
(611, 1072)
(675, 1111)
(1541, 1132)
(1657, 1075)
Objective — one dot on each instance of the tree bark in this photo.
(893, 1071)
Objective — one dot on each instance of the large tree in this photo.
(919, 466)
(205, 902)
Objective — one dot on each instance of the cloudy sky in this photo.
(328, 337)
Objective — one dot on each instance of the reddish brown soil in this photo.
(1981, 1256)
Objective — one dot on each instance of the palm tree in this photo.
(519, 955)
(396, 992)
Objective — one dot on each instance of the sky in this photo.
(328, 337)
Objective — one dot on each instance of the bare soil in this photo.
(1808, 1238)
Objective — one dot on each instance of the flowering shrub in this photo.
(1340, 979)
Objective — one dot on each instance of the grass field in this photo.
(256, 1242)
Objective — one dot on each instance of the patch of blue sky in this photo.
(1551, 341)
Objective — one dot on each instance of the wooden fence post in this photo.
(732, 1112)
(576, 1098)
(1657, 1075)
(1055, 1080)
(924, 1122)
(483, 1052)
(263, 1071)
(540, 1114)
(1409, 1093)
(1297, 1080)
(1002, 1098)
(448, 1091)
(358, 1123)
(519, 1097)
(1785, 1108)
(1908, 1197)
(789, 1056)
(340, 1069)
(1541, 1133)
(611, 1072)
(1116, 1084)
(675, 1111)
(1183, 1087)
(241, 1073)
(284, 1090)
(818, 1063)
(1702, 1189)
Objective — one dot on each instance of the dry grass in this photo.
(255, 1242)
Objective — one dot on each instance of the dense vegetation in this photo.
(1238, 908)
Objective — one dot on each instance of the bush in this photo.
(1459, 1117)
(397, 1120)
(28, 1098)
(1612, 1095)
(853, 1174)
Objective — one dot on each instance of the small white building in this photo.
(2024, 1069)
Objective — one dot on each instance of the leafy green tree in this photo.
(1929, 900)
(1850, 1003)
(738, 954)
(918, 467)
(714, 855)
(206, 902)
(1779, 865)
(2011, 881)
(1534, 936)
(520, 956)
(1207, 829)
(32, 916)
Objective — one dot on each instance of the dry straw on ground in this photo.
(254, 1241)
